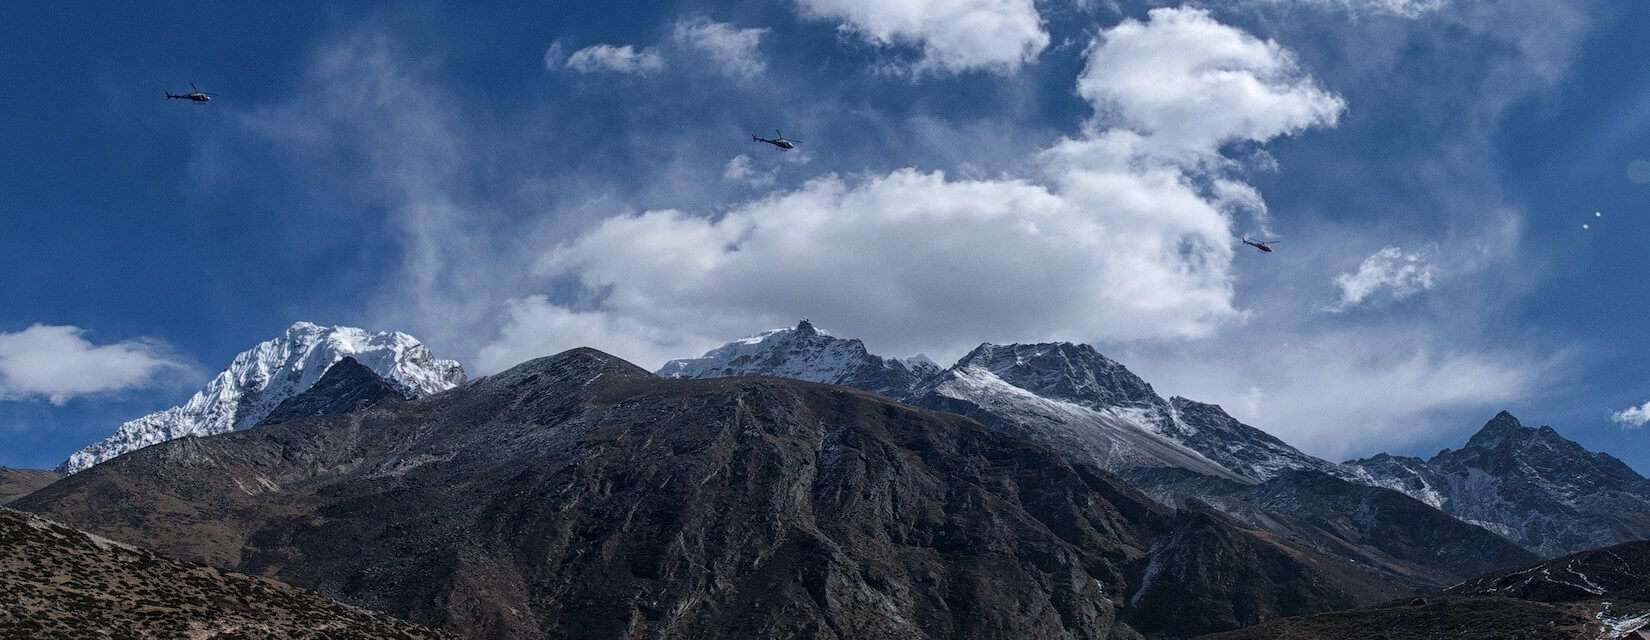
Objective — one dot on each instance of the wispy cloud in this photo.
(732, 50)
(58, 363)
(953, 35)
(610, 58)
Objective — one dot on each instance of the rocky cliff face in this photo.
(262, 377)
(1531, 485)
(61, 583)
(578, 496)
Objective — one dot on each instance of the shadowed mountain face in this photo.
(579, 496)
(1532, 485)
(346, 387)
(56, 582)
(1598, 594)
(16, 483)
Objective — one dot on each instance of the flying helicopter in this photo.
(1263, 246)
(194, 95)
(783, 143)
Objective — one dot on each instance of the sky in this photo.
(1460, 190)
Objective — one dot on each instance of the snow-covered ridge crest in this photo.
(804, 352)
(260, 378)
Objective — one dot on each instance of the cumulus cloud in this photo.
(612, 59)
(954, 35)
(1193, 84)
(734, 51)
(1390, 270)
(1632, 417)
(58, 363)
(1120, 234)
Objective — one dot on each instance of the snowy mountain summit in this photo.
(1073, 398)
(806, 353)
(262, 377)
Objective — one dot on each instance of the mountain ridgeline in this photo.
(1091, 409)
(580, 496)
(793, 484)
(1529, 484)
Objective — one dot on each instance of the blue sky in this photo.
(505, 180)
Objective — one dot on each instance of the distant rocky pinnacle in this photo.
(1529, 484)
(261, 378)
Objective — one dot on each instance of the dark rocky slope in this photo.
(1594, 595)
(56, 582)
(579, 496)
(16, 483)
(346, 387)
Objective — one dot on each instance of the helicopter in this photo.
(194, 95)
(783, 143)
(1264, 246)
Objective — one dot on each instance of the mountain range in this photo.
(580, 496)
(1530, 486)
(794, 484)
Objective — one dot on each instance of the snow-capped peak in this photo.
(260, 378)
(805, 352)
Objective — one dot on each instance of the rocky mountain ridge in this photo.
(1529, 484)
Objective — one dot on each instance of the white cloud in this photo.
(1633, 417)
(614, 59)
(58, 363)
(1192, 84)
(1404, 8)
(1343, 391)
(1111, 239)
(1399, 274)
(742, 169)
(954, 35)
(734, 51)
